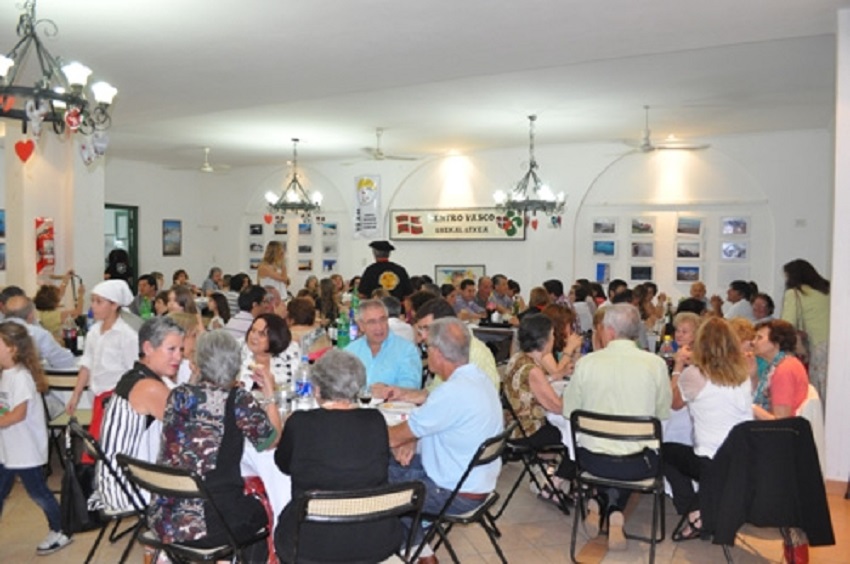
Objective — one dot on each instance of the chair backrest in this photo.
(812, 411)
(166, 481)
(61, 381)
(514, 418)
(94, 450)
(360, 506)
(625, 428)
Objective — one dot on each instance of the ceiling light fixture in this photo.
(531, 194)
(59, 95)
(294, 197)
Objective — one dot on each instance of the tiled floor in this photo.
(532, 532)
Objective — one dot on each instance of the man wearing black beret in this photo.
(385, 274)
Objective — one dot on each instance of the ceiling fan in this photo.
(647, 145)
(210, 168)
(377, 153)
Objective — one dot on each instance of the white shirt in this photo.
(109, 355)
(24, 444)
(741, 308)
(402, 329)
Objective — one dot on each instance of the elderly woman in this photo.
(716, 390)
(336, 447)
(529, 391)
(205, 428)
(686, 325)
(269, 343)
(566, 348)
(786, 381)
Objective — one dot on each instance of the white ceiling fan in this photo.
(647, 145)
(210, 168)
(377, 153)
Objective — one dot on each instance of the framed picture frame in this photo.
(605, 226)
(688, 249)
(688, 273)
(305, 230)
(254, 263)
(643, 249)
(605, 248)
(255, 247)
(735, 250)
(643, 226)
(255, 229)
(455, 273)
(689, 226)
(172, 237)
(305, 265)
(734, 226)
(2, 256)
(2, 223)
(603, 272)
(641, 272)
(281, 228)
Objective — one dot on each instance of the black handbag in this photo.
(77, 486)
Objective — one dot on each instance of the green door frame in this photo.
(132, 214)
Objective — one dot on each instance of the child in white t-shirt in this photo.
(23, 429)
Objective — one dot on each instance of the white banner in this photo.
(367, 212)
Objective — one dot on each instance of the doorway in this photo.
(121, 231)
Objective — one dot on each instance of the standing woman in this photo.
(806, 307)
(272, 269)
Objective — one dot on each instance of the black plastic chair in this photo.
(361, 506)
(441, 523)
(173, 482)
(532, 458)
(645, 432)
(94, 450)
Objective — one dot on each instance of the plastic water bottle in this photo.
(303, 386)
(667, 353)
(342, 331)
(352, 325)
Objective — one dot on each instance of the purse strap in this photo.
(800, 324)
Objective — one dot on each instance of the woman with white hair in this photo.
(204, 430)
(336, 447)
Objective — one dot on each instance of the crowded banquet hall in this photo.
(365, 249)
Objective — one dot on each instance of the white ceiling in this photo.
(440, 75)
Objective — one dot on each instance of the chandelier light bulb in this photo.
(5, 64)
(500, 197)
(103, 92)
(317, 198)
(76, 73)
(545, 193)
(292, 197)
(271, 197)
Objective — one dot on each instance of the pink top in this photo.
(789, 384)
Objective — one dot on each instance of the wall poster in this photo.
(456, 224)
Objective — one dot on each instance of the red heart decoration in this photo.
(8, 102)
(24, 149)
(268, 218)
(534, 224)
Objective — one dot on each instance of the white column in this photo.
(837, 437)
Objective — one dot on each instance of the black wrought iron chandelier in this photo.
(59, 95)
(294, 198)
(531, 194)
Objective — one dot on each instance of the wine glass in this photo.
(364, 396)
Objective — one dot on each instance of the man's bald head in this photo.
(20, 307)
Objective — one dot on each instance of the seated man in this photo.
(620, 379)
(397, 323)
(457, 417)
(389, 359)
(21, 310)
(139, 398)
(479, 355)
(252, 302)
(466, 307)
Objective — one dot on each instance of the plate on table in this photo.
(397, 407)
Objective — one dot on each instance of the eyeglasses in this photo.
(377, 321)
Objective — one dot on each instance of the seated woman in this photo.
(716, 390)
(528, 389)
(336, 447)
(312, 338)
(48, 300)
(205, 427)
(220, 310)
(181, 298)
(787, 383)
(679, 427)
(566, 348)
(756, 367)
(268, 342)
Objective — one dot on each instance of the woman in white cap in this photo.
(112, 346)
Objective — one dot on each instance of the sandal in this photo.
(687, 530)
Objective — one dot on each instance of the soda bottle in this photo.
(667, 353)
(342, 331)
(352, 323)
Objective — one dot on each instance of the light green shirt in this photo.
(619, 380)
(480, 356)
(814, 306)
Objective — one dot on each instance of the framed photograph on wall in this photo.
(643, 226)
(255, 229)
(2, 256)
(603, 272)
(605, 248)
(281, 227)
(688, 249)
(643, 249)
(305, 229)
(329, 230)
(605, 226)
(172, 237)
(2, 223)
(687, 273)
(455, 273)
(329, 265)
(305, 265)
(735, 226)
(305, 249)
(641, 273)
(689, 226)
(254, 263)
(255, 247)
(734, 250)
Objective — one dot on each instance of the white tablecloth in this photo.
(278, 485)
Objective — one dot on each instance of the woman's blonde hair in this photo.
(717, 353)
(274, 253)
(687, 317)
(743, 329)
(17, 337)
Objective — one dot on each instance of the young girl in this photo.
(112, 347)
(23, 429)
